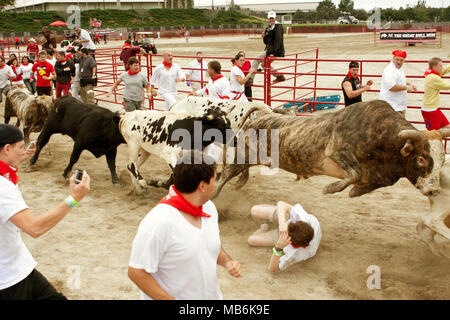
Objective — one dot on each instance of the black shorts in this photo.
(33, 287)
(44, 91)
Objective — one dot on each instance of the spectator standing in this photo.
(167, 75)
(27, 75)
(19, 279)
(238, 79)
(88, 76)
(177, 247)
(134, 81)
(195, 75)
(351, 85)
(394, 85)
(65, 71)
(431, 113)
(44, 73)
(129, 51)
(273, 39)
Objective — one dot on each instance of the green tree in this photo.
(346, 6)
(4, 3)
(326, 10)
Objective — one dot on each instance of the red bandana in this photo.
(217, 78)
(242, 68)
(431, 71)
(176, 200)
(350, 76)
(8, 172)
(63, 61)
(127, 45)
(167, 64)
(132, 73)
(3, 66)
(399, 53)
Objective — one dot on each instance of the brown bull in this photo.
(31, 111)
(366, 145)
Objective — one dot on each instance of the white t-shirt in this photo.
(293, 255)
(26, 70)
(236, 88)
(84, 35)
(218, 88)
(391, 77)
(166, 78)
(179, 256)
(16, 262)
(196, 74)
(5, 74)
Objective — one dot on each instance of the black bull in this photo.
(91, 127)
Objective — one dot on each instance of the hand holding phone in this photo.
(78, 176)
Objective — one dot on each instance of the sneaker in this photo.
(279, 79)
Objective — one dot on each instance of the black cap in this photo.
(9, 134)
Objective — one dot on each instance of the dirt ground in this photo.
(377, 229)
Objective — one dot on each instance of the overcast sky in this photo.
(359, 4)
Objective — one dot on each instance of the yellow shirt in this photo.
(433, 85)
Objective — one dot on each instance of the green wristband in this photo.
(277, 253)
(71, 202)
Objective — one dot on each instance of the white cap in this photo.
(271, 14)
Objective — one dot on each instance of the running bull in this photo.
(31, 111)
(91, 127)
(366, 145)
(166, 134)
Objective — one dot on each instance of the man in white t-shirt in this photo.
(394, 85)
(167, 75)
(6, 73)
(85, 38)
(19, 280)
(296, 239)
(177, 247)
(194, 74)
(218, 86)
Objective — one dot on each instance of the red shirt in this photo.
(42, 69)
(33, 48)
(16, 40)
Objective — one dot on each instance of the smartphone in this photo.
(78, 176)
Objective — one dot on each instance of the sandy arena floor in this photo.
(375, 229)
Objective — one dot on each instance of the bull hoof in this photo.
(331, 188)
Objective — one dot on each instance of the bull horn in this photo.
(249, 112)
(209, 117)
(414, 135)
(444, 132)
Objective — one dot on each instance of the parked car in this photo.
(347, 20)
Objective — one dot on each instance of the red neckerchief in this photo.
(3, 66)
(63, 61)
(350, 76)
(242, 68)
(25, 64)
(8, 172)
(127, 45)
(167, 64)
(217, 78)
(176, 200)
(132, 73)
(431, 71)
(296, 247)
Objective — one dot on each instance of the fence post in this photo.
(113, 58)
(295, 79)
(149, 74)
(267, 83)
(313, 107)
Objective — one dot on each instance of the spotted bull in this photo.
(165, 134)
(31, 111)
(366, 145)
